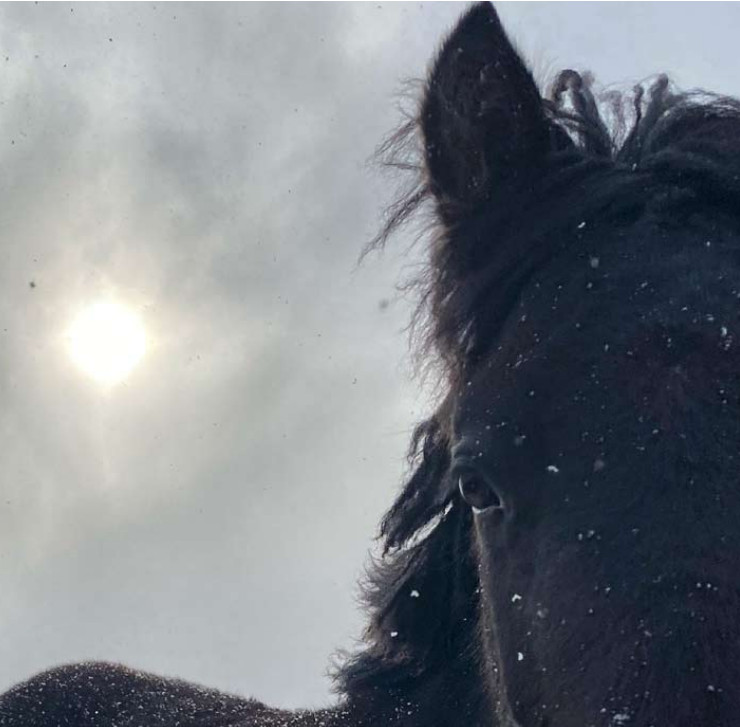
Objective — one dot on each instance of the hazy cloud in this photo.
(206, 164)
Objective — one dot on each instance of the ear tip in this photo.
(478, 27)
(479, 14)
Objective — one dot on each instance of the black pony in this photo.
(566, 552)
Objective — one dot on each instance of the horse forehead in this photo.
(659, 363)
(633, 315)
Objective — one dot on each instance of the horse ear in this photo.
(482, 117)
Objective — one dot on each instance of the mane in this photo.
(640, 142)
(652, 149)
(420, 589)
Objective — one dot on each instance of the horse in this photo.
(565, 551)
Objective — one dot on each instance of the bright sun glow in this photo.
(106, 341)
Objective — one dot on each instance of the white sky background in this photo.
(206, 164)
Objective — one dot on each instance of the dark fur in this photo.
(523, 193)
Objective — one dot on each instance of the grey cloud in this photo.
(207, 164)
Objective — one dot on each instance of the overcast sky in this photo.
(205, 164)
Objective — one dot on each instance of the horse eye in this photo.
(477, 492)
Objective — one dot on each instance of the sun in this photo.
(107, 340)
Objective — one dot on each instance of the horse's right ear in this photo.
(482, 117)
